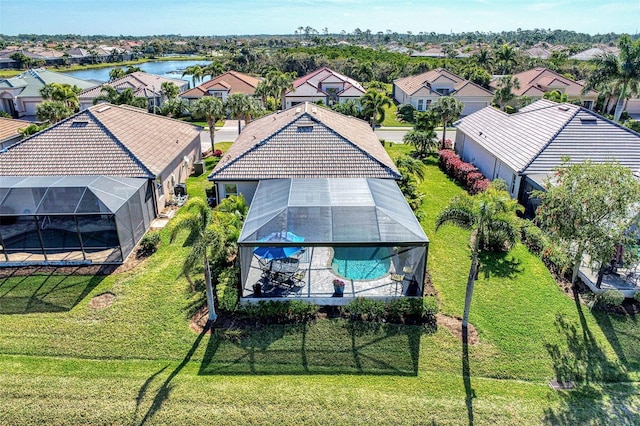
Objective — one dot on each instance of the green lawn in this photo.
(137, 361)
(390, 119)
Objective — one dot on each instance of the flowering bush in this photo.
(465, 173)
(480, 185)
(338, 283)
(217, 153)
(472, 177)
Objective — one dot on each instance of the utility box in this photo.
(198, 168)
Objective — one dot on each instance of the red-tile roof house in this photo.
(10, 131)
(424, 89)
(538, 81)
(324, 85)
(224, 85)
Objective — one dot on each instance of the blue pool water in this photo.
(361, 263)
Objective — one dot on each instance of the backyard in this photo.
(138, 362)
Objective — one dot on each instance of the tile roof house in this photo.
(19, 95)
(323, 85)
(423, 89)
(524, 148)
(143, 84)
(538, 81)
(110, 140)
(10, 131)
(304, 141)
(594, 52)
(320, 182)
(224, 85)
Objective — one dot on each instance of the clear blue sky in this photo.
(215, 17)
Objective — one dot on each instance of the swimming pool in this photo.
(361, 263)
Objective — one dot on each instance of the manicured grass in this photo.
(390, 119)
(137, 361)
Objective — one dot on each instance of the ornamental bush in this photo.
(275, 312)
(533, 237)
(611, 298)
(149, 243)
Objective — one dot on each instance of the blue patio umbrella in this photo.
(279, 252)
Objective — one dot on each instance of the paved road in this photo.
(229, 133)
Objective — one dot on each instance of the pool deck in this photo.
(317, 282)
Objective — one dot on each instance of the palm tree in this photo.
(174, 108)
(424, 141)
(195, 71)
(448, 109)
(484, 59)
(62, 92)
(373, 103)
(507, 57)
(116, 73)
(212, 70)
(207, 243)
(278, 83)
(169, 89)
(504, 92)
(240, 106)
(488, 214)
(126, 97)
(622, 71)
(211, 109)
(53, 111)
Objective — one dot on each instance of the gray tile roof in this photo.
(102, 140)
(535, 139)
(138, 81)
(305, 141)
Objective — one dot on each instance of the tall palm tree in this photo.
(169, 89)
(484, 59)
(195, 71)
(207, 243)
(212, 70)
(240, 106)
(373, 104)
(62, 92)
(211, 109)
(488, 214)
(278, 83)
(504, 91)
(507, 57)
(126, 97)
(622, 71)
(448, 109)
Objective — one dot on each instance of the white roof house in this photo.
(528, 146)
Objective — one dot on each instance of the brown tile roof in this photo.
(535, 82)
(413, 83)
(9, 127)
(305, 141)
(316, 78)
(102, 140)
(233, 81)
(136, 81)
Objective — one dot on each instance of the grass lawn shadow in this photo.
(321, 347)
(502, 265)
(45, 292)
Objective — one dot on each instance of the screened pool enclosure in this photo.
(331, 239)
(72, 219)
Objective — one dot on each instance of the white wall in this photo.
(246, 188)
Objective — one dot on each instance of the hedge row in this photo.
(464, 173)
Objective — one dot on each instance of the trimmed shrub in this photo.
(149, 243)
(611, 298)
(480, 185)
(533, 237)
(472, 177)
(463, 170)
(274, 312)
(406, 310)
(227, 289)
(217, 153)
(365, 309)
(636, 297)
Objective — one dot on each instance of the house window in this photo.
(443, 92)
(230, 189)
(420, 105)
(304, 129)
(428, 102)
(588, 104)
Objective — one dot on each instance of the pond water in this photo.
(169, 69)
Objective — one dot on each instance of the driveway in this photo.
(395, 134)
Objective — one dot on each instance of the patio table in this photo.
(282, 270)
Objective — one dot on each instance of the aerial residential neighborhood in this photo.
(319, 226)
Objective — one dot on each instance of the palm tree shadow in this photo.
(165, 389)
(502, 265)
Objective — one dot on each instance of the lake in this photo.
(169, 69)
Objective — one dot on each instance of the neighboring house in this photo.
(424, 89)
(224, 85)
(323, 196)
(538, 81)
(10, 131)
(594, 53)
(323, 85)
(143, 84)
(19, 95)
(525, 148)
(87, 188)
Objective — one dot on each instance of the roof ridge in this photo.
(551, 139)
(118, 142)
